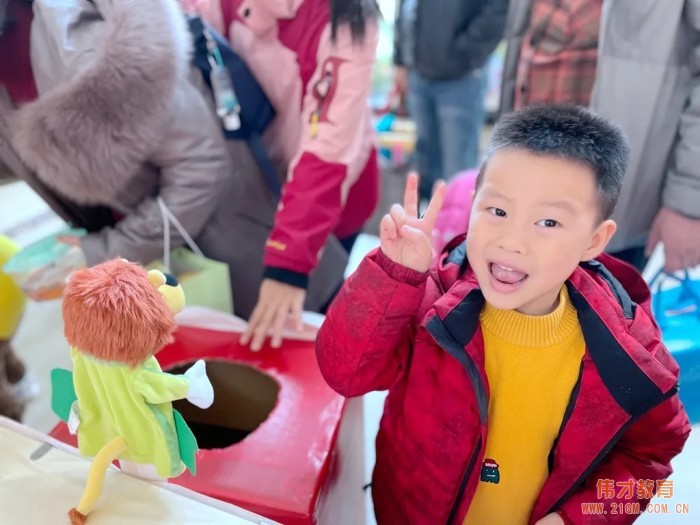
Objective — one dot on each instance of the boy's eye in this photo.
(498, 212)
(548, 223)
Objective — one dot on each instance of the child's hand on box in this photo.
(405, 238)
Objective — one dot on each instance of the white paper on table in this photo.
(41, 479)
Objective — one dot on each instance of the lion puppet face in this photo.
(117, 311)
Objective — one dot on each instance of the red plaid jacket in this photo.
(559, 53)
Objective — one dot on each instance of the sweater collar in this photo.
(532, 331)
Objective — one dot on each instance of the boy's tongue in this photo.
(506, 276)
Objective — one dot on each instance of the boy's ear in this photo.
(601, 238)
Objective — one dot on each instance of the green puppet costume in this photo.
(134, 403)
(106, 399)
(112, 399)
(116, 318)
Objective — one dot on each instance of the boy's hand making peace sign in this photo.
(405, 238)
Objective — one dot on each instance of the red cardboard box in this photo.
(301, 457)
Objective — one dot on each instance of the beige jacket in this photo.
(648, 81)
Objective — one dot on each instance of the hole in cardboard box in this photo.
(243, 399)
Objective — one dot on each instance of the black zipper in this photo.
(565, 420)
(464, 482)
(456, 347)
(606, 449)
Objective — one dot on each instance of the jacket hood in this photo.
(107, 73)
(452, 263)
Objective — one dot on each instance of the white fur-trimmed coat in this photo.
(122, 119)
(118, 122)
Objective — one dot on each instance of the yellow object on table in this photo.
(41, 477)
(11, 295)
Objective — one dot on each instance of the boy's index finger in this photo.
(434, 207)
(410, 196)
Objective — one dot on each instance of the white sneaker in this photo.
(27, 388)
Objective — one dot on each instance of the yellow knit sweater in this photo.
(532, 364)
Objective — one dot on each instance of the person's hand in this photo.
(275, 303)
(551, 519)
(400, 80)
(680, 236)
(405, 238)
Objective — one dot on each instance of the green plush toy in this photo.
(117, 399)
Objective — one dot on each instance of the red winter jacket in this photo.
(419, 337)
(332, 177)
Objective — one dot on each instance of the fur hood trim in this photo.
(87, 136)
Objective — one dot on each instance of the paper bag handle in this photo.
(661, 312)
(169, 217)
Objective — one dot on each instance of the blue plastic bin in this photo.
(677, 311)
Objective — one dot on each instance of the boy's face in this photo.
(534, 218)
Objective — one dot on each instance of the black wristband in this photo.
(299, 280)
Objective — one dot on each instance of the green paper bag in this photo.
(206, 282)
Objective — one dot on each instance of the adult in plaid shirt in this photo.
(644, 75)
(552, 53)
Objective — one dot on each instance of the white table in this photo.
(41, 479)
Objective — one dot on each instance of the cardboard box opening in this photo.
(243, 398)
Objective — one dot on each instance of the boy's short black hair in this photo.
(570, 132)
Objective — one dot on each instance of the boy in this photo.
(525, 378)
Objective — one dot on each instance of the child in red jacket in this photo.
(526, 375)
